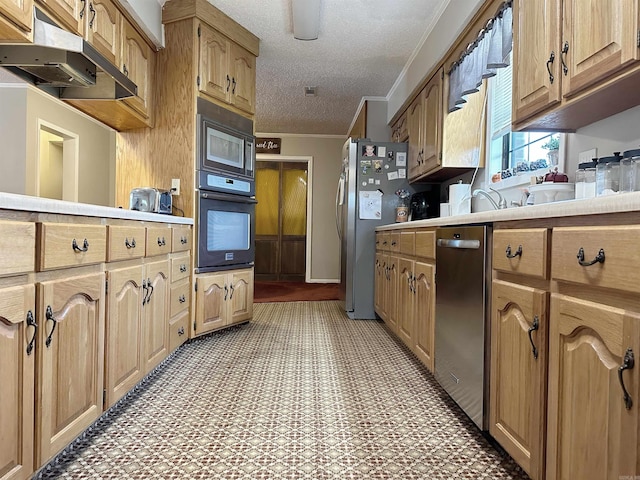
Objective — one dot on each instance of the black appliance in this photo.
(424, 205)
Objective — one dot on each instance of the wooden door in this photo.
(518, 373)
(19, 12)
(424, 312)
(71, 13)
(213, 64)
(281, 220)
(432, 126)
(391, 292)
(379, 285)
(212, 291)
(137, 64)
(156, 313)
(405, 301)
(415, 128)
(103, 29)
(242, 64)
(591, 435)
(536, 57)
(240, 298)
(600, 38)
(17, 367)
(70, 360)
(124, 333)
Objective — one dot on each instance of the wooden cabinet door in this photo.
(242, 66)
(215, 80)
(391, 293)
(124, 332)
(18, 12)
(71, 13)
(536, 53)
(432, 126)
(405, 301)
(379, 284)
(137, 64)
(103, 29)
(70, 358)
(17, 367)
(156, 313)
(240, 298)
(211, 305)
(600, 38)
(424, 312)
(415, 127)
(518, 373)
(591, 435)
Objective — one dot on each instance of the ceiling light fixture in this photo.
(306, 19)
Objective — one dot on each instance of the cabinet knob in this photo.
(182, 299)
(181, 331)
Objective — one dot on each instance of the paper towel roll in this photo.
(460, 198)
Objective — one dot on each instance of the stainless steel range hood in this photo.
(63, 60)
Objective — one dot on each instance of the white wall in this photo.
(13, 138)
(148, 15)
(327, 160)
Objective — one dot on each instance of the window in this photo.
(513, 152)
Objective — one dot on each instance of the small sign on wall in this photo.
(268, 145)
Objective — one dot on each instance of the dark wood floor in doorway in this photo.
(294, 291)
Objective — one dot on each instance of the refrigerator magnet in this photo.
(401, 159)
(369, 151)
(377, 166)
(382, 151)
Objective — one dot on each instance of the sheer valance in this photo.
(482, 57)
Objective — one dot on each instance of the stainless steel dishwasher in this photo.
(461, 341)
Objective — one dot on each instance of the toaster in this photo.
(148, 199)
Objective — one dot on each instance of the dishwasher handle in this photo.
(456, 243)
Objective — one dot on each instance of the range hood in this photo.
(63, 60)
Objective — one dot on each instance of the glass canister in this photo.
(579, 182)
(630, 171)
(608, 175)
(589, 188)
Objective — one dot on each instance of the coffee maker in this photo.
(424, 205)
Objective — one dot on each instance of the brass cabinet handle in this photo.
(552, 58)
(514, 255)
(598, 259)
(533, 328)
(49, 316)
(31, 322)
(627, 364)
(76, 248)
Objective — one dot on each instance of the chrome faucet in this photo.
(502, 203)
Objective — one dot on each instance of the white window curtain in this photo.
(482, 57)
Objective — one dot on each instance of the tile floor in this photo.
(301, 392)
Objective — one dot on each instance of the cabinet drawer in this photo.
(179, 297)
(181, 239)
(178, 331)
(385, 241)
(394, 242)
(124, 243)
(17, 247)
(522, 251)
(378, 241)
(408, 243)
(67, 245)
(158, 241)
(180, 267)
(619, 245)
(426, 244)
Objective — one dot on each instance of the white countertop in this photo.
(625, 202)
(11, 201)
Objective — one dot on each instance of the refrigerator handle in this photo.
(339, 203)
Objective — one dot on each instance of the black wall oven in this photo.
(226, 231)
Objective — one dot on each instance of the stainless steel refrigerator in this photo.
(372, 173)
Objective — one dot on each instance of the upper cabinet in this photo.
(103, 29)
(16, 20)
(137, 64)
(227, 72)
(69, 13)
(577, 61)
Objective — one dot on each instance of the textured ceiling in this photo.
(362, 47)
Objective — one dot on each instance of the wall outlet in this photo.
(175, 186)
(587, 155)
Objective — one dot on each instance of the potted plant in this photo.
(553, 145)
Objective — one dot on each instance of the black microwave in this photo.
(226, 144)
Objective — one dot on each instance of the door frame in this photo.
(265, 157)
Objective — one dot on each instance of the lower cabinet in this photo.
(70, 360)
(406, 301)
(518, 373)
(17, 369)
(386, 289)
(223, 299)
(424, 312)
(155, 316)
(594, 390)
